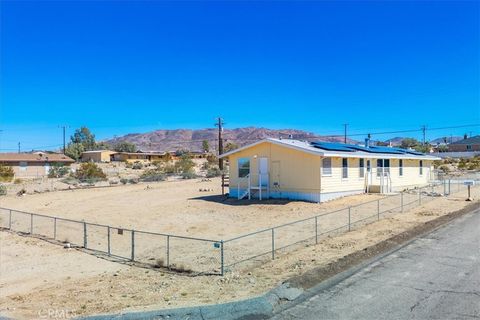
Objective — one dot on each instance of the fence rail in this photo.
(207, 256)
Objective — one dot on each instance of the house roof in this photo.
(324, 149)
(471, 140)
(35, 157)
(98, 151)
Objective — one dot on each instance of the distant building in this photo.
(31, 165)
(98, 156)
(465, 145)
(139, 156)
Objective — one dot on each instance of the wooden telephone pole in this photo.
(220, 124)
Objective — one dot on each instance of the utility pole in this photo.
(345, 134)
(64, 127)
(18, 147)
(220, 124)
(424, 131)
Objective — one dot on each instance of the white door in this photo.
(263, 171)
(47, 168)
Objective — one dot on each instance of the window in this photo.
(469, 147)
(327, 167)
(344, 168)
(361, 166)
(383, 165)
(400, 167)
(243, 167)
(421, 167)
(23, 166)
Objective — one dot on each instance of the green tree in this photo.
(230, 146)
(409, 143)
(205, 146)
(74, 150)
(58, 170)
(84, 137)
(102, 146)
(125, 147)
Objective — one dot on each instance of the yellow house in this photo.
(98, 156)
(318, 172)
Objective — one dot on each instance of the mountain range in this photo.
(181, 139)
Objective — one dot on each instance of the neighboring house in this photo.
(467, 144)
(317, 172)
(31, 165)
(98, 156)
(139, 156)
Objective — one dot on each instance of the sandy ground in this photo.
(38, 277)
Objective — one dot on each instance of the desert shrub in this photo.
(70, 180)
(89, 172)
(213, 172)
(185, 164)
(137, 165)
(3, 190)
(58, 170)
(188, 175)
(6, 173)
(129, 180)
(168, 169)
(151, 175)
(17, 181)
(123, 180)
(128, 165)
(444, 168)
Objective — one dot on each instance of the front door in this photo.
(263, 171)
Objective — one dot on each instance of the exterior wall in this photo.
(292, 174)
(463, 147)
(97, 156)
(298, 175)
(32, 170)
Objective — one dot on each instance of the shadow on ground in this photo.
(224, 199)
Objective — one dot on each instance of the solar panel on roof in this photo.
(386, 150)
(330, 146)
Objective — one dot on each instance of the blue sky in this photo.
(122, 67)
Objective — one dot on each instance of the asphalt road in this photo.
(434, 277)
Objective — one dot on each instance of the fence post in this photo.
(10, 220)
(168, 252)
(85, 235)
(55, 228)
(221, 259)
(449, 186)
(108, 240)
(349, 212)
(316, 230)
(273, 243)
(378, 209)
(401, 200)
(133, 245)
(31, 223)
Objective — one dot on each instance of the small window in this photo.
(361, 165)
(243, 167)
(383, 165)
(344, 168)
(400, 167)
(421, 167)
(23, 165)
(469, 147)
(327, 167)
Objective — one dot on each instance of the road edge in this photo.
(300, 288)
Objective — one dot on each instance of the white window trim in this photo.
(331, 169)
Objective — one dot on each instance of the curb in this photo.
(276, 300)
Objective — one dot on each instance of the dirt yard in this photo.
(37, 276)
(67, 279)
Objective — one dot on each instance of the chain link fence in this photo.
(205, 256)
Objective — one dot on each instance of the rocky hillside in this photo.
(171, 140)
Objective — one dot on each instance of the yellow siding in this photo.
(298, 171)
(335, 182)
